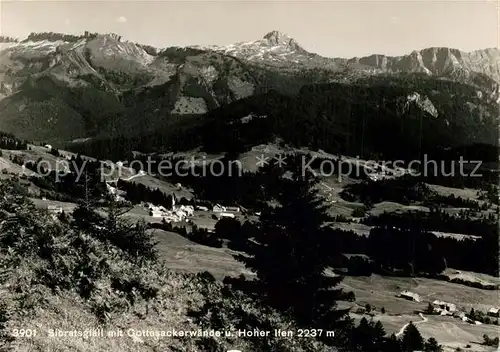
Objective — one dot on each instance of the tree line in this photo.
(53, 36)
(6, 39)
(10, 142)
(437, 220)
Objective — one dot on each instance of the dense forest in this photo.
(418, 252)
(351, 119)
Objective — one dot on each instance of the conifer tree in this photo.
(412, 340)
(291, 249)
(378, 335)
(432, 345)
(392, 344)
(363, 338)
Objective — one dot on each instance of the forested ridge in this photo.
(352, 119)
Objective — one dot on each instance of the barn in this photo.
(411, 296)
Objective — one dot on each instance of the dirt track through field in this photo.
(424, 319)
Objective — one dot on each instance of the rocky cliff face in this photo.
(439, 62)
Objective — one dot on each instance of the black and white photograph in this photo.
(249, 176)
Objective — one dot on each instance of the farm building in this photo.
(462, 316)
(54, 209)
(218, 208)
(233, 209)
(494, 312)
(161, 212)
(444, 307)
(410, 296)
(221, 215)
(187, 209)
(172, 218)
(156, 213)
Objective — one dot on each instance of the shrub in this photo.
(368, 308)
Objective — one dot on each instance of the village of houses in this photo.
(174, 214)
(184, 213)
(444, 308)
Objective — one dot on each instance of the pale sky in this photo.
(330, 28)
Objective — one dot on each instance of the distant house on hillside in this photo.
(48, 146)
(55, 209)
(410, 296)
(444, 307)
(494, 312)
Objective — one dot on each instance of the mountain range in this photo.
(59, 88)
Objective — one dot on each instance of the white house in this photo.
(188, 209)
(410, 296)
(156, 213)
(219, 208)
(227, 215)
(172, 218)
(202, 208)
(48, 146)
(181, 214)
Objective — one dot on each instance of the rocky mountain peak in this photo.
(279, 38)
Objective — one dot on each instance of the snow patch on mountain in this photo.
(30, 49)
(274, 48)
(190, 105)
(250, 117)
